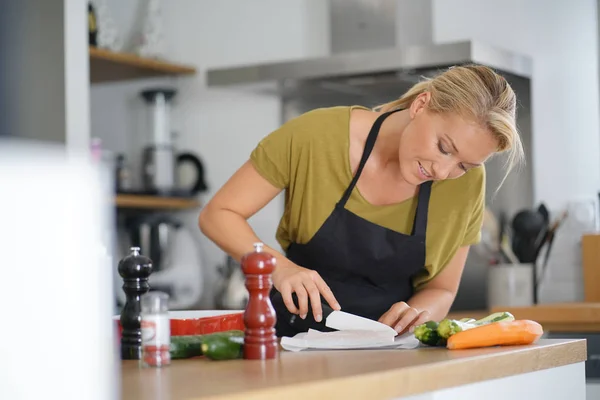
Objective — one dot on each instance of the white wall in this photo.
(562, 38)
(222, 127)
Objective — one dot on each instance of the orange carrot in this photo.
(503, 333)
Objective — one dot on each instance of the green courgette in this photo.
(222, 348)
(427, 334)
(191, 345)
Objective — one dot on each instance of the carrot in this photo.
(502, 333)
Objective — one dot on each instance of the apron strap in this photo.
(420, 224)
(369, 144)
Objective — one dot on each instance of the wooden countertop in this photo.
(372, 374)
(556, 317)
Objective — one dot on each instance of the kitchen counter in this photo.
(555, 317)
(550, 366)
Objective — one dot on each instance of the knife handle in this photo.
(294, 320)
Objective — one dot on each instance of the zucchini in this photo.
(222, 348)
(191, 345)
(185, 346)
(495, 317)
(427, 334)
(449, 327)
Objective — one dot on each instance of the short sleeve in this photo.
(473, 231)
(277, 155)
(272, 156)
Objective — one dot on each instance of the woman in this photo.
(381, 205)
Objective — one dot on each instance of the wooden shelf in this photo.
(154, 202)
(108, 66)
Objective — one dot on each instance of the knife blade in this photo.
(332, 319)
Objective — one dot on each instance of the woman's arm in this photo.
(433, 301)
(224, 221)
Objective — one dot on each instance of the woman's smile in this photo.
(423, 173)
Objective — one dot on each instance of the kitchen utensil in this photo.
(331, 319)
(510, 285)
(526, 227)
(199, 322)
(549, 240)
(543, 210)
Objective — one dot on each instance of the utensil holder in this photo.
(510, 285)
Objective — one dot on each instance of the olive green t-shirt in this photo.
(308, 156)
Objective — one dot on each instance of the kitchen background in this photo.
(84, 103)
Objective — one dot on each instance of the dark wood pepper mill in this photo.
(135, 270)
(260, 342)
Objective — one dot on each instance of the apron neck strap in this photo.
(369, 144)
(420, 224)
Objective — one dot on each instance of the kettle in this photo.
(160, 171)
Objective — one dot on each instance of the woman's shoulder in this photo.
(319, 126)
(324, 117)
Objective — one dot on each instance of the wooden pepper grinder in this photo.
(260, 342)
(135, 270)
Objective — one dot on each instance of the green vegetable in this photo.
(427, 334)
(496, 317)
(185, 346)
(191, 345)
(449, 327)
(222, 348)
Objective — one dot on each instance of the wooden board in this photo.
(590, 252)
(108, 66)
(347, 374)
(563, 317)
(154, 202)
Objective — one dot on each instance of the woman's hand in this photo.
(401, 317)
(306, 284)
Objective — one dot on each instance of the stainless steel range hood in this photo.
(364, 64)
(366, 58)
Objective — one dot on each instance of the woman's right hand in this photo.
(307, 284)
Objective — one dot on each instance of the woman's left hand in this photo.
(402, 317)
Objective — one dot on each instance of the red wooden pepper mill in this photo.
(260, 341)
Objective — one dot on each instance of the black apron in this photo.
(368, 267)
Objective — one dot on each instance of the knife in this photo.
(332, 319)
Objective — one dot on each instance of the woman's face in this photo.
(437, 147)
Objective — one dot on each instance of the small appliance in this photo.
(160, 160)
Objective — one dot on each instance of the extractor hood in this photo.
(366, 56)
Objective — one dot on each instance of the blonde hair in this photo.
(476, 93)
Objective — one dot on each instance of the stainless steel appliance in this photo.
(160, 160)
(374, 60)
(178, 264)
